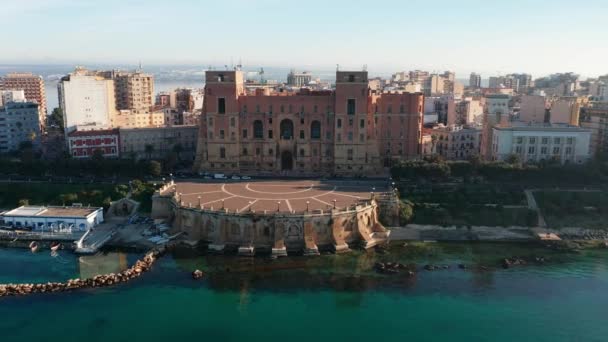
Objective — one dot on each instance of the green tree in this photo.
(154, 168)
(23, 201)
(57, 118)
(406, 212)
(97, 156)
(513, 159)
(149, 148)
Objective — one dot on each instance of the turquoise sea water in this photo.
(330, 297)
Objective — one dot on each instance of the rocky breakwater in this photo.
(141, 266)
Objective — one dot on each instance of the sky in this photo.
(490, 36)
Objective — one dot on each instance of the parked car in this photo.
(245, 178)
(235, 177)
(220, 176)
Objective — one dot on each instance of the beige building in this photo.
(456, 142)
(133, 119)
(134, 91)
(157, 143)
(554, 110)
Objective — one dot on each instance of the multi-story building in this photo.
(83, 144)
(536, 142)
(456, 142)
(33, 87)
(134, 118)
(350, 130)
(7, 96)
(155, 143)
(134, 91)
(554, 110)
(508, 81)
(19, 123)
(298, 79)
(467, 111)
(86, 98)
(524, 82)
(418, 76)
(595, 118)
(475, 81)
(496, 111)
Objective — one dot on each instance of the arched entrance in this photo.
(286, 160)
(286, 129)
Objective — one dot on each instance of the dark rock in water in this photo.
(462, 266)
(429, 267)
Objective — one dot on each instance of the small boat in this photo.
(55, 246)
(34, 246)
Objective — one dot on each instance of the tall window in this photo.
(221, 105)
(349, 154)
(315, 130)
(222, 152)
(350, 107)
(339, 123)
(245, 133)
(258, 129)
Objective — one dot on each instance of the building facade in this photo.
(496, 110)
(134, 91)
(19, 123)
(298, 79)
(33, 87)
(156, 143)
(541, 142)
(86, 98)
(596, 119)
(350, 130)
(456, 142)
(83, 144)
(475, 81)
(53, 219)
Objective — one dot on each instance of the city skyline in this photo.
(463, 37)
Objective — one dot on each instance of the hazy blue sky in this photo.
(489, 36)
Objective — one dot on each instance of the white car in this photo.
(245, 178)
(235, 177)
(220, 176)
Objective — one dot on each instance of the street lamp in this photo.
(334, 204)
(278, 206)
(307, 204)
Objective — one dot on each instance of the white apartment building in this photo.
(86, 98)
(535, 142)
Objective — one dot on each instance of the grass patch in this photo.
(574, 208)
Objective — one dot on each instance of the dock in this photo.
(93, 240)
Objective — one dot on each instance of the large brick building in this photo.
(350, 130)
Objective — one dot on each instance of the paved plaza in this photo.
(281, 195)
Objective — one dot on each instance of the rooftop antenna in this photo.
(140, 65)
(240, 66)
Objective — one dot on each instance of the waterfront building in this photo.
(536, 142)
(19, 123)
(298, 79)
(350, 130)
(83, 144)
(456, 142)
(158, 142)
(33, 87)
(75, 218)
(475, 81)
(86, 98)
